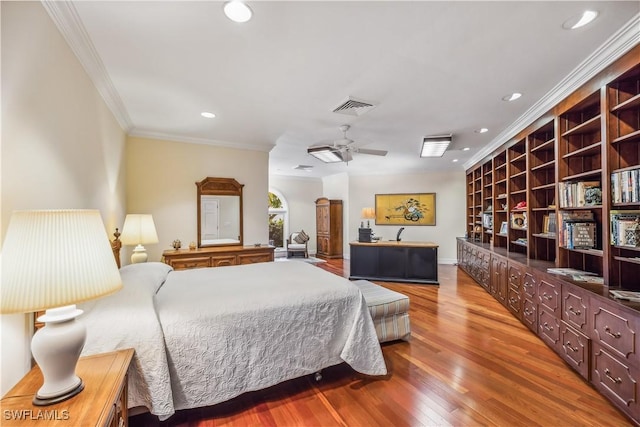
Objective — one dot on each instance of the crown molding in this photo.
(140, 133)
(65, 17)
(617, 45)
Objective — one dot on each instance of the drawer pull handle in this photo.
(607, 330)
(574, 349)
(547, 327)
(547, 297)
(574, 312)
(607, 373)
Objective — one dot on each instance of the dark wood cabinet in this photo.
(411, 262)
(329, 228)
(595, 335)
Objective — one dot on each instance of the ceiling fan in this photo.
(341, 150)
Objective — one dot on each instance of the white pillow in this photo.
(148, 274)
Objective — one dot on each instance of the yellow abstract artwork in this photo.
(406, 209)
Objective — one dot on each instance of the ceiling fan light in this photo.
(237, 11)
(325, 154)
(435, 146)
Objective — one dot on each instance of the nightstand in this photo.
(103, 402)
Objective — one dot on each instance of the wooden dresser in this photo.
(217, 256)
(103, 402)
(329, 228)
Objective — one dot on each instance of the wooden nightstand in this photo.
(103, 402)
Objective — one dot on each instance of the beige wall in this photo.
(161, 177)
(61, 146)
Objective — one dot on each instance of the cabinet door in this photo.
(575, 308)
(323, 245)
(322, 219)
(576, 349)
(499, 279)
(422, 263)
(617, 380)
(364, 261)
(514, 291)
(392, 262)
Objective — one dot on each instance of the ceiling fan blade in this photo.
(371, 151)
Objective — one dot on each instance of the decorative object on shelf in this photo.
(406, 209)
(519, 220)
(503, 227)
(592, 196)
(504, 206)
(176, 244)
(632, 234)
(52, 260)
(487, 220)
(521, 205)
(139, 230)
(192, 246)
(620, 222)
(489, 208)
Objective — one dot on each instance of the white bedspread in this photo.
(204, 336)
(128, 319)
(236, 329)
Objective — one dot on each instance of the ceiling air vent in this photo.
(306, 168)
(354, 107)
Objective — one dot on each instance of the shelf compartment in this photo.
(548, 165)
(588, 126)
(544, 187)
(630, 137)
(587, 151)
(587, 174)
(626, 259)
(633, 102)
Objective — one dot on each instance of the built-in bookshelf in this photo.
(565, 190)
(542, 191)
(623, 127)
(579, 162)
(500, 202)
(517, 197)
(487, 203)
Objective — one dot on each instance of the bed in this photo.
(204, 336)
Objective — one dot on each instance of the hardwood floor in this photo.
(469, 363)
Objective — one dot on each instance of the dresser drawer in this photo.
(575, 308)
(616, 380)
(575, 349)
(223, 260)
(549, 327)
(529, 285)
(530, 314)
(253, 258)
(616, 331)
(549, 295)
(185, 263)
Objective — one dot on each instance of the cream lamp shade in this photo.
(52, 260)
(368, 213)
(139, 230)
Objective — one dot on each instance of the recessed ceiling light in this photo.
(512, 97)
(454, 160)
(237, 11)
(580, 20)
(207, 114)
(481, 130)
(466, 149)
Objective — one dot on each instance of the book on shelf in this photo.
(625, 295)
(579, 194)
(625, 186)
(577, 230)
(620, 222)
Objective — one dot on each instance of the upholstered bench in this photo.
(389, 310)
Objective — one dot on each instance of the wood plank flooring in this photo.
(469, 363)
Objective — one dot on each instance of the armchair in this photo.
(293, 245)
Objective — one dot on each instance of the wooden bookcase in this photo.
(623, 153)
(517, 196)
(542, 193)
(587, 141)
(500, 206)
(487, 202)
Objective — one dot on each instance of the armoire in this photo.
(329, 228)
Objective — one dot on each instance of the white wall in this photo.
(357, 192)
(161, 180)
(300, 194)
(450, 207)
(61, 146)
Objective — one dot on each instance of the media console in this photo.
(392, 261)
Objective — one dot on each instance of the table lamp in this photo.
(52, 260)
(368, 213)
(139, 230)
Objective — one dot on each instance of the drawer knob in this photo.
(574, 312)
(607, 330)
(617, 380)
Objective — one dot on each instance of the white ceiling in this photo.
(431, 67)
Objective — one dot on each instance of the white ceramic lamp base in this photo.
(139, 255)
(56, 349)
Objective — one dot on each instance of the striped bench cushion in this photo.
(389, 311)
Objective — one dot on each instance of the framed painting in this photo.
(406, 209)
